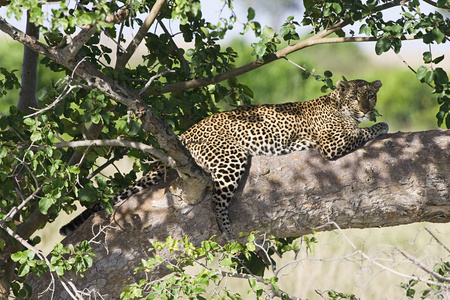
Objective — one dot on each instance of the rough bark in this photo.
(398, 179)
(27, 94)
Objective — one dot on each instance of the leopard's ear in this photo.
(342, 86)
(376, 84)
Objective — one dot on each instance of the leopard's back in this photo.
(267, 129)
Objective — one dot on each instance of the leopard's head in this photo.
(358, 98)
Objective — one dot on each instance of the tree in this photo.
(50, 156)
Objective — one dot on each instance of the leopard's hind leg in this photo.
(227, 170)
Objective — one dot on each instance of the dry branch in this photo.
(399, 179)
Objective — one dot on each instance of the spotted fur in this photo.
(222, 143)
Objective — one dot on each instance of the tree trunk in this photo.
(27, 94)
(398, 179)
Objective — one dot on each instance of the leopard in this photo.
(223, 143)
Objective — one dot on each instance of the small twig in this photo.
(23, 163)
(364, 255)
(298, 66)
(437, 240)
(10, 215)
(411, 68)
(67, 90)
(119, 47)
(150, 81)
(417, 263)
(76, 295)
(174, 45)
(15, 131)
(103, 166)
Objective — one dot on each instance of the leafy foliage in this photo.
(433, 291)
(216, 262)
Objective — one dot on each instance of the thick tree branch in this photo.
(432, 3)
(123, 59)
(71, 50)
(398, 179)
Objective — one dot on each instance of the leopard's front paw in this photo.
(383, 128)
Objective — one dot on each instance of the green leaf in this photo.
(438, 35)
(44, 204)
(427, 57)
(88, 194)
(365, 29)
(251, 282)
(35, 136)
(74, 169)
(250, 246)
(23, 270)
(382, 45)
(434, 35)
(20, 257)
(3, 152)
(190, 52)
(429, 76)
(260, 49)
(284, 31)
(226, 262)
(268, 32)
(134, 128)
(308, 4)
(29, 121)
(447, 121)
(95, 118)
(421, 72)
(337, 8)
(438, 59)
(250, 14)
(440, 76)
(440, 117)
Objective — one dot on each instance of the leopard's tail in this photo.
(148, 180)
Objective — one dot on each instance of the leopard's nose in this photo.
(365, 110)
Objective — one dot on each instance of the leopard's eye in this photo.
(371, 98)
